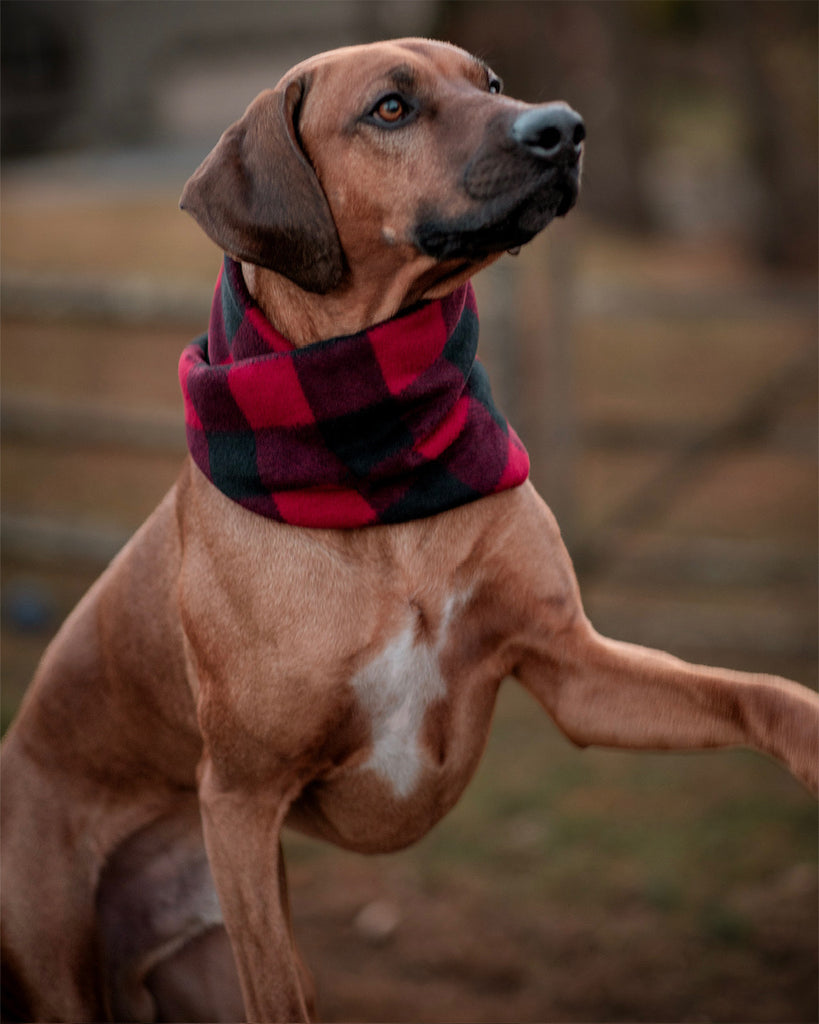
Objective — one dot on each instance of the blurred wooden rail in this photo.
(130, 300)
(752, 418)
(44, 542)
(71, 425)
(649, 578)
(141, 299)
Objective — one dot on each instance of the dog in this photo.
(268, 651)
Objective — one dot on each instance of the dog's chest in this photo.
(397, 690)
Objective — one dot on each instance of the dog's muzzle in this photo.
(526, 172)
(554, 134)
(538, 153)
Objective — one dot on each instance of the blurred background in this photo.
(656, 351)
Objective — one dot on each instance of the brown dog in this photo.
(230, 674)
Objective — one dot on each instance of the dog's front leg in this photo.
(242, 828)
(607, 693)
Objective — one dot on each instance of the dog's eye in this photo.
(495, 85)
(391, 110)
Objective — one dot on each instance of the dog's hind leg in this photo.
(164, 953)
(198, 983)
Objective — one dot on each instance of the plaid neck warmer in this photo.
(392, 424)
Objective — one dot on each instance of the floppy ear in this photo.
(257, 196)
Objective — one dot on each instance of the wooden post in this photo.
(546, 383)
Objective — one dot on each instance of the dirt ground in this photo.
(566, 885)
(634, 911)
(460, 953)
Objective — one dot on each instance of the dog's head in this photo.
(371, 157)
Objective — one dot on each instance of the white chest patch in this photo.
(396, 689)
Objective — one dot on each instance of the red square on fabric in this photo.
(268, 392)
(517, 466)
(325, 507)
(402, 363)
(186, 364)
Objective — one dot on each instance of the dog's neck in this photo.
(365, 299)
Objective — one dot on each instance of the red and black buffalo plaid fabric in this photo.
(388, 425)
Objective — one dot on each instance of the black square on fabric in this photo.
(480, 390)
(232, 312)
(434, 489)
(462, 344)
(364, 440)
(322, 368)
(233, 466)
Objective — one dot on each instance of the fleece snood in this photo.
(392, 424)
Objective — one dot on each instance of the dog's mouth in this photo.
(504, 221)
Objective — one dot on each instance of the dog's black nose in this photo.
(550, 131)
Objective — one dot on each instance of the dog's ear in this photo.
(257, 196)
